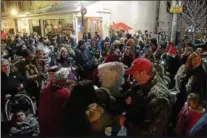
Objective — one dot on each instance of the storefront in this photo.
(57, 25)
(97, 19)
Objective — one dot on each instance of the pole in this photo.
(174, 28)
(16, 25)
(82, 23)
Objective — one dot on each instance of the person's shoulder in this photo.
(63, 93)
(160, 91)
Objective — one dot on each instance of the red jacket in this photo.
(187, 119)
(171, 49)
(51, 104)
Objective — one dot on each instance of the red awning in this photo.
(120, 26)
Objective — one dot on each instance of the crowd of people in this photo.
(123, 85)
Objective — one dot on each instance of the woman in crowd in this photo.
(128, 56)
(192, 76)
(74, 117)
(63, 60)
(51, 104)
(12, 82)
(114, 55)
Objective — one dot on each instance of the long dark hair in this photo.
(83, 94)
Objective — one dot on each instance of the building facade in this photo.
(56, 16)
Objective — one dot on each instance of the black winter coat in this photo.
(9, 83)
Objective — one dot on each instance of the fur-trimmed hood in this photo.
(111, 76)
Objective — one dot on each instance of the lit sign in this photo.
(176, 6)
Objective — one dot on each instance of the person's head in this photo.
(18, 38)
(193, 100)
(128, 51)
(116, 44)
(193, 61)
(185, 42)
(111, 75)
(128, 36)
(39, 53)
(149, 52)
(45, 40)
(93, 44)
(51, 71)
(106, 45)
(24, 47)
(122, 41)
(139, 32)
(83, 93)
(117, 52)
(130, 42)
(5, 66)
(107, 39)
(199, 51)
(61, 77)
(153, 41)
(187, 51)
(31, 41)
(142, 70)
(81, 44)
(63, 52)
(27, 54)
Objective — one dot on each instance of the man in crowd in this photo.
(149, 102)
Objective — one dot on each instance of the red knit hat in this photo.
(139, 64)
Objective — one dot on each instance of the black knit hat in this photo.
(26, 53)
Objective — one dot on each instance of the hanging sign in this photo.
(176, 6)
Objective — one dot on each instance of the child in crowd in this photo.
(189, 115)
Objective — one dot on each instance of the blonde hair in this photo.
(194, 97)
